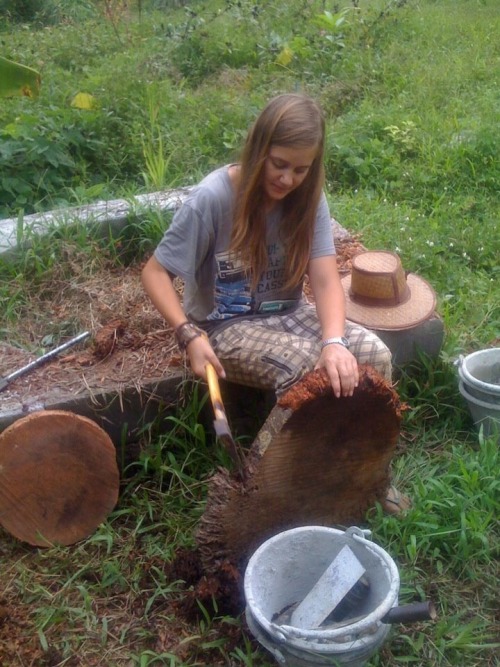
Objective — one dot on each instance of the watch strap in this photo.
(335, 340)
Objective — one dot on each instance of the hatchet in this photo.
(221, 424)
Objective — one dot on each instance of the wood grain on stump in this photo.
(58, 478)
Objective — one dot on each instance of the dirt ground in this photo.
(174, 623)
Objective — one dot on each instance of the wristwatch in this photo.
(185, 333)
(339, 340)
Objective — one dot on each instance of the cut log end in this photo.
(58, 478)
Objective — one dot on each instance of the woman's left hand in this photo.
(342, 369)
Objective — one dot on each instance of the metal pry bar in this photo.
(5, 381)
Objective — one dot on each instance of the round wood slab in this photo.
(58, 478)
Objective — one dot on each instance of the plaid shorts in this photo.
(274, 352)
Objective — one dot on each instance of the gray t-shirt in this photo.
(217, 287)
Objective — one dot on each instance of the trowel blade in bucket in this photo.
(333, 585)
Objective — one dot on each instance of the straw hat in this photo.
(381, 295)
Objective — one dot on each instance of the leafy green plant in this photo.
(17, 79)
(200, 53)
(27, 11)
(41, 155)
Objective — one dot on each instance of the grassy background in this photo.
(410, 89)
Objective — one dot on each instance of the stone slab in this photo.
(17, 232)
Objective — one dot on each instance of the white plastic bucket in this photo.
(480, 373)
(484, 414)
(282, 572)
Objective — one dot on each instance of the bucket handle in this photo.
(359, 533)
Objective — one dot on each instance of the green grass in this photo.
(410, 89)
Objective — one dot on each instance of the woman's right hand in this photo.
(200, 354)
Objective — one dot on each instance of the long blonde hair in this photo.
(291, 121)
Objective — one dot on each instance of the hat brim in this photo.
(418, 308)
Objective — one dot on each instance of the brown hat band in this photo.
(400, 294)
(378, 279)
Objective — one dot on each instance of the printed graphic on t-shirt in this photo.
(271, 281)
(232, 288)
(233, 295)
